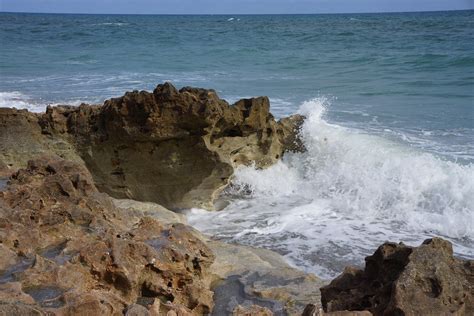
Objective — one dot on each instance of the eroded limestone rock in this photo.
(21, 139)
(175, 148)
(67, 249)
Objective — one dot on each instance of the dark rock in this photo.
(310, 310)
(403, 280)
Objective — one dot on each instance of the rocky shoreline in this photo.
(88, 221)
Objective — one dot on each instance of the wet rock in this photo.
(69, 249)
(260, 277)
(289, 133)
(403, 280)
(311, 310)
(46, 296)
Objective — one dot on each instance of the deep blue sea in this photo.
(389, 100)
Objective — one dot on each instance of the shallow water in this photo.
(46, 296)
(389, 97)
(10, 274)
(3, 184)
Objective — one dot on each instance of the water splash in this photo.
(334, 204)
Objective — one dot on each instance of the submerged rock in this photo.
(251, 276)
(403, 280)
(67, 249)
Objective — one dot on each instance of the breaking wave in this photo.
(349, 192)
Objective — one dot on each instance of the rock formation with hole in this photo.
(175, 148)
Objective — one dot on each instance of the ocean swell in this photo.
(333, 204)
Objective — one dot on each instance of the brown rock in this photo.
(253, 310)
(69, 250)
(290, 129)
(313, 310)
(175, 148)
(21, 139)
(403, 280)
(20, 309)
(348, 313)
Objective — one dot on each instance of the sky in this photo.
(230, 6)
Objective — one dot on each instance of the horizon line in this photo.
(237, 14)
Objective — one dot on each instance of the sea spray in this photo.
(333, 204)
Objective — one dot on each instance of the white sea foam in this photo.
(15, 99)
(332, 205)
(19, 100)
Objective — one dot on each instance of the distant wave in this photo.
(111, 24)
(15, 99)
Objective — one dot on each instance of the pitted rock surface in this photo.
(403, 280)
(67, 249)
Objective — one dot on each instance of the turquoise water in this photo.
(390, 97)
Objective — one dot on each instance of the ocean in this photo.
(389, 100)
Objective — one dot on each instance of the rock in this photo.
(348, 313)
(176, 310)
(69, 250)
(175, 148)
(20, 309)
(403, 280)
(144, 209)
(5, 171)
(260, 277)
(7, 257)
(136, 310)
(21, 139)
(253, 310)
(290, 131)
(311, 310)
